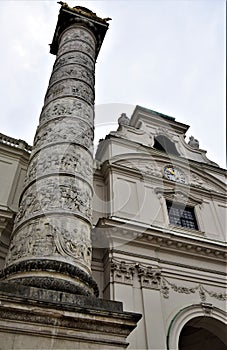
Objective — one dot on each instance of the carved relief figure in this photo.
(72, 240)
(80, 58)
(70, 159)
(34, 239)
(193, 142)
(78, 35)
(53, 194)
(70, 88)
(64, 130)
(74, 73)
(77, 45)
(68, 107)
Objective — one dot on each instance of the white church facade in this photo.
(158, 222)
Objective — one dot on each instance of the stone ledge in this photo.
(18, 292)
(32, 316)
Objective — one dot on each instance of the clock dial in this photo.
(174, 174)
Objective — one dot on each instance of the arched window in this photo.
(162, 143)
(203, 333)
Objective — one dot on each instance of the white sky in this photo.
(164, 55)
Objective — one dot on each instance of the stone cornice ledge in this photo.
(164, 237)
(27, 309)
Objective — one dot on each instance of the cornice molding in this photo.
(168, 263)
(151, 277)
(15, 143)
(183, 241)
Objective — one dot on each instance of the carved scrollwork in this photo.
(122, 272)
(197, 181)
(152, 170)
(149, 277)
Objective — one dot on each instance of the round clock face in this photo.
(174, 174)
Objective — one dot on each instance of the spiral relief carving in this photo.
(80, 59)
(52, 227)
(55, 193)
(68, 107)
(68, 159)
(64, 130)
(80, 35)
(70, 71)
(72, 45)
(77, 89)
(52, 237)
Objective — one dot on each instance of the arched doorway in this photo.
(197, 327)
(203, 333)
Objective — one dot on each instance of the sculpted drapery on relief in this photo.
(51, 237)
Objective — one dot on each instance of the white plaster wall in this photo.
(13, 166)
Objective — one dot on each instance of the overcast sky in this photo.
(163, 55)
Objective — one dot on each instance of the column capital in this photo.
(69, 16)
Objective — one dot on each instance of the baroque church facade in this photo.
(124, 248)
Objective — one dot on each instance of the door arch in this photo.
(194, 325)
(203, 333)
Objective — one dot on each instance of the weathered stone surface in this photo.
(51, 244)
(37, 318)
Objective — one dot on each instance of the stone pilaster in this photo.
(51, 245)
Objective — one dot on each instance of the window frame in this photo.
(189, 209)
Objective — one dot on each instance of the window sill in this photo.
(187, 230)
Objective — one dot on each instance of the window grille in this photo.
(181, 215)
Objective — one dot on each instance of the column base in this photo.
(40, 318)
(52, 275)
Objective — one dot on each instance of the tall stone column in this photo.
(51, 244)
